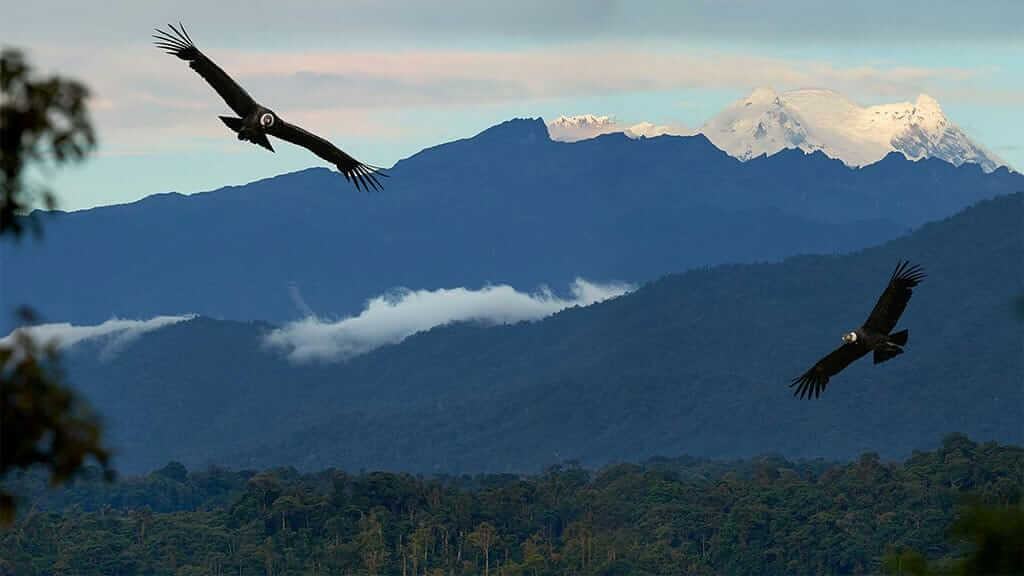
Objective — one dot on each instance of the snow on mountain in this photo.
(573, 128)
(648, 130)
(766, 122)
(582, 127)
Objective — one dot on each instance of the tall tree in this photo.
(44, 122)
(483, 538)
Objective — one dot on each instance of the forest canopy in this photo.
(684, 515)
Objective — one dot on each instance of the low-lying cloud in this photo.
(386, 319)
(115, 332)
(390, 318)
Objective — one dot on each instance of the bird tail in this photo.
(260, 138)
(886, 351)
(231, 122)
(899, 338)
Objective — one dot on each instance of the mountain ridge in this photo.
(507, 206)
(653, 372)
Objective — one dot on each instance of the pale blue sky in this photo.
(386, 79)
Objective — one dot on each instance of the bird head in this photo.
(267, 119)
(850, 337)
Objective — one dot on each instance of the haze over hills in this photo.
(694, 363)
(766, 122)
(508, 205)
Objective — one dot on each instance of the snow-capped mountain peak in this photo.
(581, 127)
(584, 126)
(814, 119)
(582, 121)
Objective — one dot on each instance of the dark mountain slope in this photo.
(693, 363)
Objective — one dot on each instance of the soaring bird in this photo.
(256, 121)
(875, 335)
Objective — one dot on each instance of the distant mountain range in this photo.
(508, 205)
(766, 122)
(694, 363)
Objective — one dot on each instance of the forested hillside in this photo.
(764, 516)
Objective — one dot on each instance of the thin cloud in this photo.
(115, 332)
(413, 22)
(150, 101)
(390, 318)
(419, 77)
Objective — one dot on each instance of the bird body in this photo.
(875, 335)
(254, 122)
(866, 337)
(252, 128)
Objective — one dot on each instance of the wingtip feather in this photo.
(179, 40)
(364, 177)
(185, 32)
(905, 272)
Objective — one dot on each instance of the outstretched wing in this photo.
(179, 44)
(894, 300)
(362, 175)
(814, 380)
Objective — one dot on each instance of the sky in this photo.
(383, 80)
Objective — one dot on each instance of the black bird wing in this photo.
(814, 380)
(894, 300)
(362, 175)
(179, 44)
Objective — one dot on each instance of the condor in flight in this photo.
(256, 121)
(874, 335)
